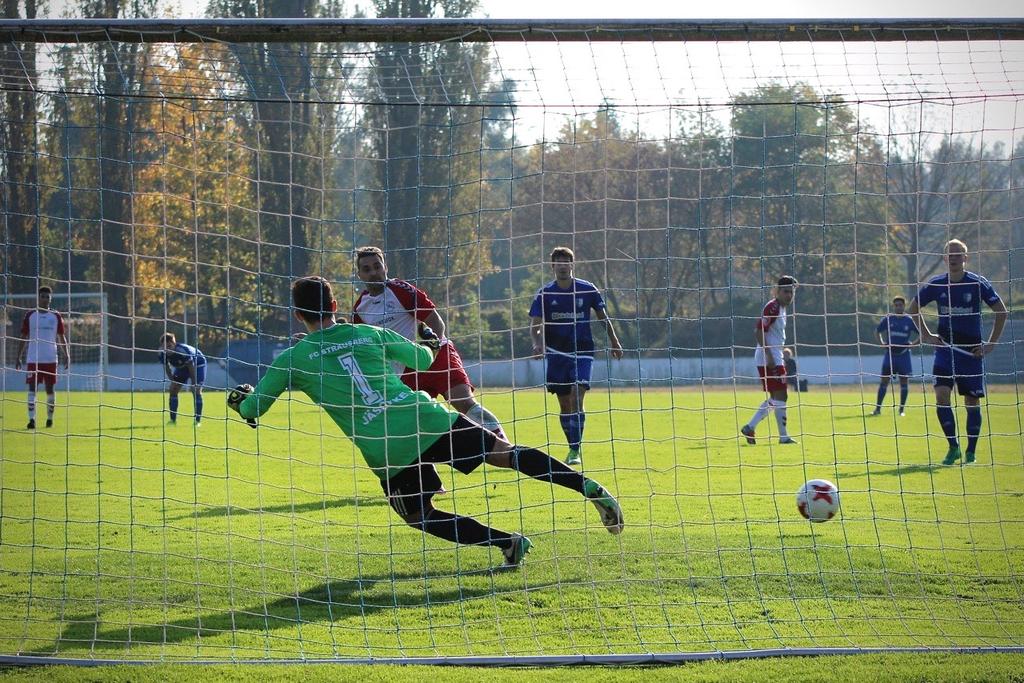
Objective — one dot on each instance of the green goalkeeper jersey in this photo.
(346, 369)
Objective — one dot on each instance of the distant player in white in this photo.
(42, 334)
(770, 333)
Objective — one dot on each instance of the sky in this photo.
(573, 78)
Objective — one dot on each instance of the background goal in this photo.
(85, 322)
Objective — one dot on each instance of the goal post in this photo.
(187, 172)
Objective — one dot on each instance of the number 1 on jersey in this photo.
(369, 394)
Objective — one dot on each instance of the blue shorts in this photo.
(181, 375)
(967, 373)
(897, 364)
(563, 372)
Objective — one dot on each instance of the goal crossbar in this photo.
(504, 30)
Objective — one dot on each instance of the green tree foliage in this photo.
(431, 123)
(684, 233)
(261, 162)
(19, 172)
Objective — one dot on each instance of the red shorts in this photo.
(444, 373)
(776, 381)
(45, 373)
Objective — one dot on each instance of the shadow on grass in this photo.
(859, 416)
(286, 508)
(324, 604)
(915, 468)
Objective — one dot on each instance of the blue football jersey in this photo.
(566, 314)
(898, 330)
(180, 356)
(959, 305)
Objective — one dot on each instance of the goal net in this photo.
(192, 170)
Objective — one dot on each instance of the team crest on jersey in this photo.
(579, 301)
(967, 297)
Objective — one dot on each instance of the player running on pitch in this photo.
(183, 364)
(896, 333)
(770, 333)
(42, 335)
(960, 350)
(401, 306)
(402, 433)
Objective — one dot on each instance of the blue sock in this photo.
(882, 388)
(904, 391)
(973, 427)
(571, 427)
(565, 421)
(199, 405)
(948, 422)
(173, 405)
(583, 423)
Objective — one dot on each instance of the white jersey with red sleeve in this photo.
(41, 329)
(399, 307)
(773, 322)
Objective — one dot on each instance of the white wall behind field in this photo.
(646, 372)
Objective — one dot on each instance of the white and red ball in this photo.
(818, 500)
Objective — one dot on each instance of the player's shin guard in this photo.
(539, 465)
(172, 405)
(780, 417)
(973, 427)
(198, 402)
(904, 392)
(31, 405)
(571, 429)
(948, 421)
(459, 529)
(486, 418)
(882, 388)
(762, 412)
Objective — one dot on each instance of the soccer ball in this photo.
(818, 500)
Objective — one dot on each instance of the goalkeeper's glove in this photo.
(235, 398)
(428, 337)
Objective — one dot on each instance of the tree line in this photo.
(207, 176)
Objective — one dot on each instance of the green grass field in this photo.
(123, 538)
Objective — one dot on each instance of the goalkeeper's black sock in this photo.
(539, 465)
(172, 403)
(459, 529)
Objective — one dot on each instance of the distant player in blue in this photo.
(183, 364)
(960, 348)
(560, 329)
(896, 333)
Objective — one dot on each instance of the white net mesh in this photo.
(192, 182)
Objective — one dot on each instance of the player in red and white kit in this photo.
(42, 334)
(401, 306)
(770, 333)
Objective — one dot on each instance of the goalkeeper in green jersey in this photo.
(401, 433)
